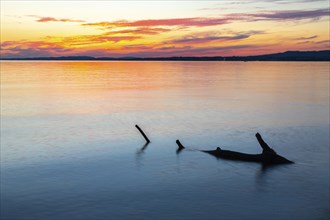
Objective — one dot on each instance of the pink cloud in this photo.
(283, 15)
(141, 30)
(197, 22)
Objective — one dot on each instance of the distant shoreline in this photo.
(303, 56)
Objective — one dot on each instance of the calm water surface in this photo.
(69, 148)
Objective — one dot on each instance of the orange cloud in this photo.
(58, 46)
(89, 40)
(48, 49)
(32, 49)
(29, 49)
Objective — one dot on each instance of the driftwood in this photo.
(143, 134)
(180, 147)
(267, 157)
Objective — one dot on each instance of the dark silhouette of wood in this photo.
(180, 147)
(264, 146)
(143, 134)
(267, 157)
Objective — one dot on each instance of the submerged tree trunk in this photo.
(267, 157)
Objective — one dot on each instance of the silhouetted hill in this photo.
(323, 55)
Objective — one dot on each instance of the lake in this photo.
(69, 148)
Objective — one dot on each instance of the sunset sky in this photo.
(162, 28)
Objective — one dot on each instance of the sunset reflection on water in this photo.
(68, 139)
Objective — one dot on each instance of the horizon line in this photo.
(290, 55)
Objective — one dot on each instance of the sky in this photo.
(162, 28)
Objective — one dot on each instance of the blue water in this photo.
(69, 148)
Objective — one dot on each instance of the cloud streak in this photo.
(140, 31)
(289, 15)
(306, 38)
(32, 49)
(88, 40)
(183, 22)
(281, 15)
(191, 51)
(207, 39)
(53, 19)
